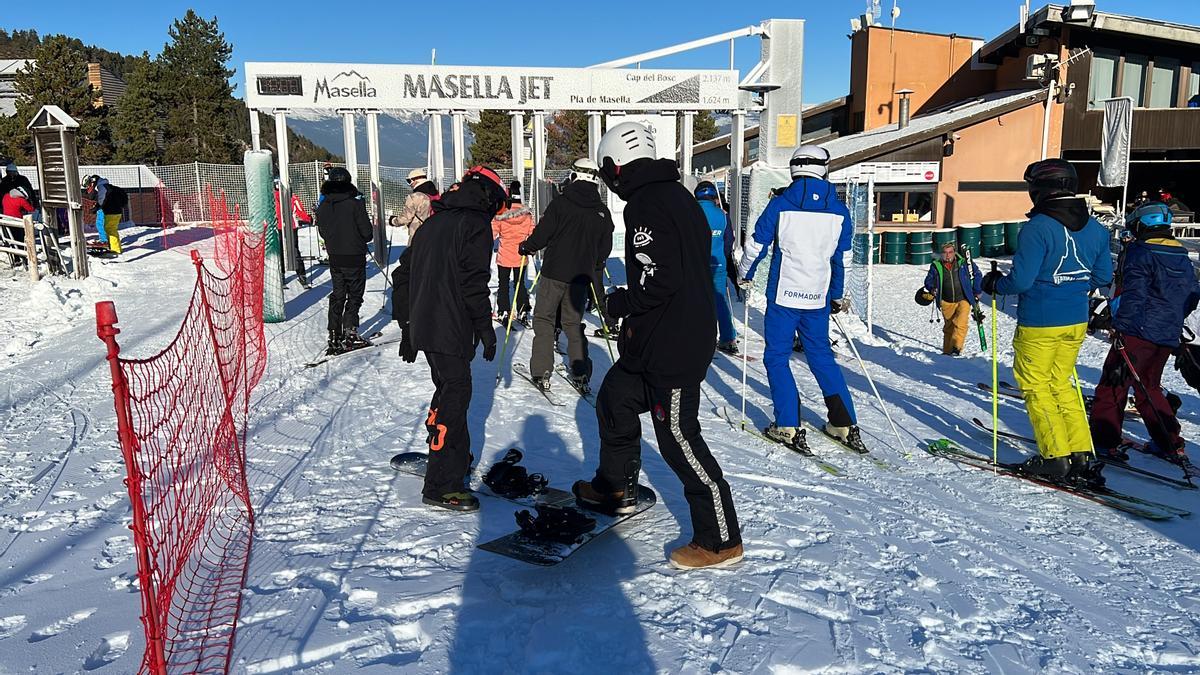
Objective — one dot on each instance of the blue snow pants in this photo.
(812, 326)
(726, 332)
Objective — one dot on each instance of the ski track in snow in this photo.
(928, 567)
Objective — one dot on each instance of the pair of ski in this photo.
(520, 545)
(1185, 483)
(1105, 496)
(733, 419)
(371, 343)
(522, 369)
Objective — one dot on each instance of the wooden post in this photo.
(31, 250)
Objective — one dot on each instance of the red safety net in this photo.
(182, 424)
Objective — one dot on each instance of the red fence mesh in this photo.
(182, 424)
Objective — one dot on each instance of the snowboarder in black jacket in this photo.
(344, 225)
(668, 335)
(440, 299)
(576, 233)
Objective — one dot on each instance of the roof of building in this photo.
(110, 87)
(1050, 15)
(850, 150)
(9, 67)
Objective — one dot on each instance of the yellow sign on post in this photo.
(785, 131)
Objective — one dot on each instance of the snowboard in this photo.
(415, 464)
(520, 546)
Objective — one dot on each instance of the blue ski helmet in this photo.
(706, 190)
(1149, 216)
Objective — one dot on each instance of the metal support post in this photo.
(517, 133)
(284, 197)
(376, 195)
(350, 143)
(733, 179)
(458, 141)
(255, 130)
(685, 143)
(437, 156)
(595, 119)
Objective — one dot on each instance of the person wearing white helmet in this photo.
(808, 228)
(668, 334)
(418, 206)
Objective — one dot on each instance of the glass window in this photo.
(1164, 82)
(1133, 78)
(904, 205)
(1103, 79)
(1194, 86)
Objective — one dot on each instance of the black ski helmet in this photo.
(1050, 178)
(339, 174)
(705, 189)
(923, 297)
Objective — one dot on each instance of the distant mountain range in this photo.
(403, 139)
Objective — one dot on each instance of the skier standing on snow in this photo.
(1158, 289)
(721, 247)
(1062, 254)
(418, 205)
(110, 207)
(300, 218)
(808, 228)
(576, 233)
(667, 340)
(957, 289)
(512, 227)
(343, 223)
(440, 299)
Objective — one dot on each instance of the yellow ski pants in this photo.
(110, 231)
(1043, 364)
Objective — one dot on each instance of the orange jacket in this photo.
(512, 227)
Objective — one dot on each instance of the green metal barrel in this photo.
(1012, 230)
(920, 247)
(992, 241)
(969, 236)
(895, 247)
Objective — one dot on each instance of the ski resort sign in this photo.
(332, 86)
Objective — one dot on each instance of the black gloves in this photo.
(989, 281)
(523, 250)
(407, 353)
(617, 302)
(839, 305)
(487, 335)
(977, 314)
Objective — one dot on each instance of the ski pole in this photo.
(995, 385)
(1162, 425)
(1083, 407)
(863, 364)
(511, 314)
(603, 324)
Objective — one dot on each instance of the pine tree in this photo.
(137, 124)
(566, 138)
(492, 134)
(704, 127)
(200, 123)
(59, 78)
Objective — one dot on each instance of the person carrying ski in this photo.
(809, 229)
(1062, 254)
(440, 299)
(418, 206)
(668, 334)
(512, 227)
(1157, 290)
(110, 205)
(343, 223)
(722, 246)
(576, 233)
(957, 288)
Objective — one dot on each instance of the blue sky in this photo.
(528, 33)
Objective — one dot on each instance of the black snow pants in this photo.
(349, 284)
(622, 398)
(449, 440)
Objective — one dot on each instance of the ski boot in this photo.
(582, 384)
(1175, 455)
(335, 344)
(453, 501)
(1117, 454)
(502, 318)
(694, 557)
(1084, 472)
(730, 347)
(510, 480)
(353, 340)
(563, 524)
(847, 436)
(541, 381)
(792, 437)
(797, 345)
(1049, 468)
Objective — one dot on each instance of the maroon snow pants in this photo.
(1108, 410)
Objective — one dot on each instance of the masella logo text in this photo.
(348, 84)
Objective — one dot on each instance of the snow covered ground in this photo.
(927, 567)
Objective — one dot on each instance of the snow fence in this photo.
(181, 422)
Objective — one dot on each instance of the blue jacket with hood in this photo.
(722, 233)
(808, 229)
(1062, 255)
(1158, 290)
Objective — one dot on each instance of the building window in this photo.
(1103, 81)
(1164, 82)
(1133, 78)
(1194, 85)
(904, 204)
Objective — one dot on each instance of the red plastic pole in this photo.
(107, 331)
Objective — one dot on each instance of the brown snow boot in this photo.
(694, 557)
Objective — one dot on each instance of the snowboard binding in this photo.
(510, 480)
(562, 524)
